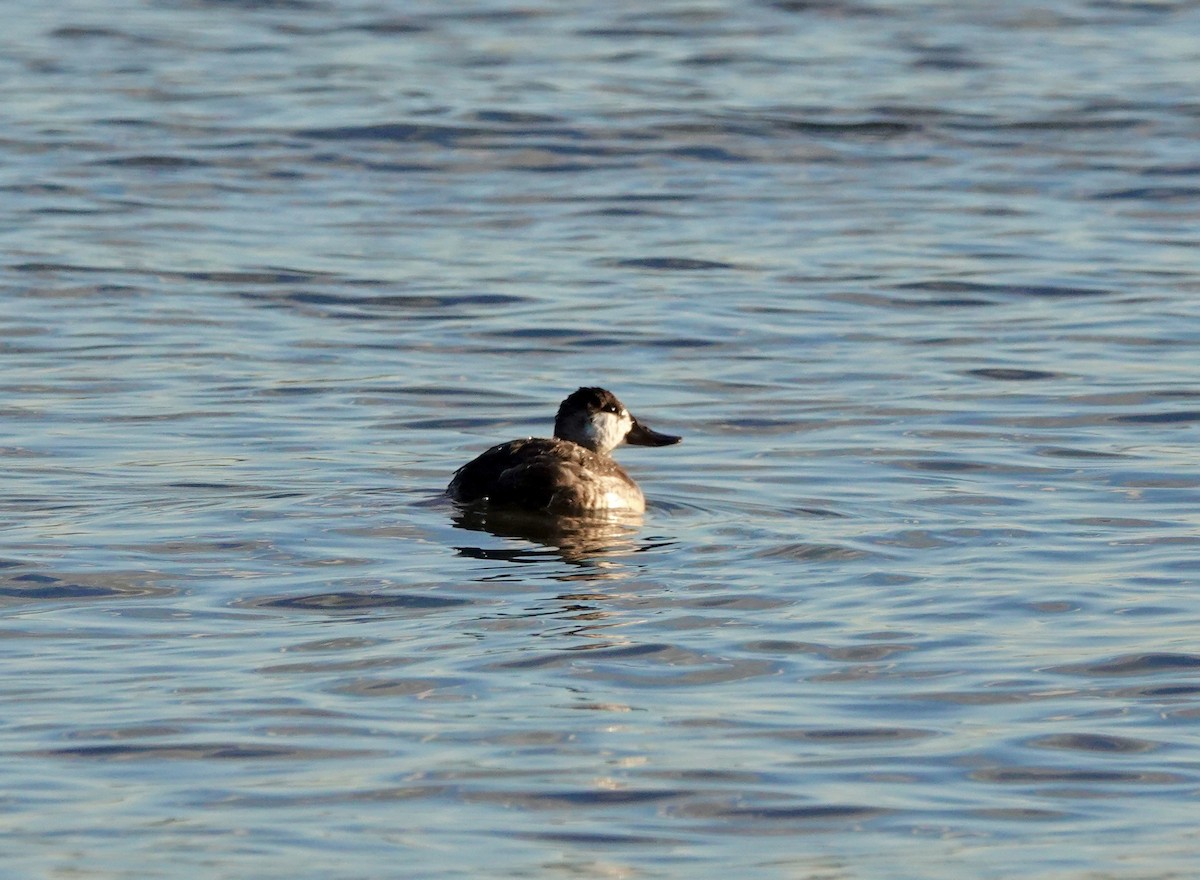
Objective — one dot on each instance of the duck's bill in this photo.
(640, 435)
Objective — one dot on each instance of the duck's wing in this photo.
(570, 480)
(537, 483)
(488, 473)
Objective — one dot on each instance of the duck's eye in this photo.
(612, 408)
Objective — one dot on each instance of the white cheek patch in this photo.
(617, 427)
(626, 425)
(606, 431)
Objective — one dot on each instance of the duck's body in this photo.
(570, 473)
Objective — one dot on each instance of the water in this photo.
(915, 598)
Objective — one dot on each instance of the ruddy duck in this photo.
(572, 473)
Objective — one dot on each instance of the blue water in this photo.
(915, 598)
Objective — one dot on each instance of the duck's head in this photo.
(594, 418)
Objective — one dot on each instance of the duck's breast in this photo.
(599, 492)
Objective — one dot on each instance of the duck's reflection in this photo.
(596, 541)
(592, 553)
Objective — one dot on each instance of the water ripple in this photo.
(916, 596)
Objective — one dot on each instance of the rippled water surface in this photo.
(915, 598)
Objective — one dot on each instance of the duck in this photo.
(571, 473)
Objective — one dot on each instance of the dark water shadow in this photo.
(350, 601)
(42, 586)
